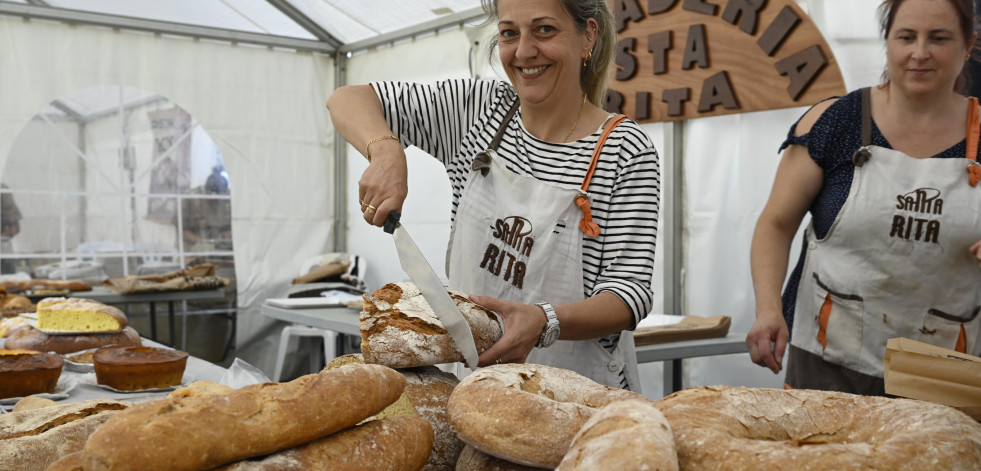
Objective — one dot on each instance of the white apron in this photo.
(895, 262)
(517, 238)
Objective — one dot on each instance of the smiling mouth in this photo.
(532, 70)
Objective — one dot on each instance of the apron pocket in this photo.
(839, 320)
(956, 331)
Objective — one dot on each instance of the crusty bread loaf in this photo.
(527, 414)
(69, 462)
(400, 330)
(427, 390)
(623, 435)
(78, 315)
(472, 459)
(32, 439)
(33, 402)
(204, 431)
(392, 444)
(8, 322)
(28, 337)
(758, 428)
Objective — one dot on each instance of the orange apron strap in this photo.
(586, 224)
(612, 123)
(973, 134)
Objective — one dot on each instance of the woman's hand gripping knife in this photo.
(356, 113)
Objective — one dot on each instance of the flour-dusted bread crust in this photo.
(527, 414)
(427, 390)
(201, 431)
(33, 439)
(730, 428)
(472, 459)
(623, 435)
(389, 444)
(400, 330)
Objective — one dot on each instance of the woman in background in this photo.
(892, 248)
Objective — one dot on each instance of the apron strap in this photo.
(483, 159)
(504, 125)
(973, 133)
(586, 225)
(862, 154)
(866, 116)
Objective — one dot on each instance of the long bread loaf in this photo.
(390, 444)
(204, 431)
(32, 439)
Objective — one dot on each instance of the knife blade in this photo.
(421, 273)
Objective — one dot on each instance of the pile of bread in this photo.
(392, 409)
(33, 358)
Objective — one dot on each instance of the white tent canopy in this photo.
(255, 75)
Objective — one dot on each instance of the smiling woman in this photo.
(583, 184)
(890, 176)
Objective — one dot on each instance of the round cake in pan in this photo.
(134, 368)
(25, 373)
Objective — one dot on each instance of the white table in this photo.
(344, 320)
(196, 370)
(103, 295)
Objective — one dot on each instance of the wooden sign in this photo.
(682, 59)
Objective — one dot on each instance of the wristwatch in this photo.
(551, 332)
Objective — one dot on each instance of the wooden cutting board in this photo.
(690, 328)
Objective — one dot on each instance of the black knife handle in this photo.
(392, 221)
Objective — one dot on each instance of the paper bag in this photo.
(690, 328)
(922, 371)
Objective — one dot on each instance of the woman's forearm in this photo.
(356, 113)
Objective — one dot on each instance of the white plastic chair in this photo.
(297, 330)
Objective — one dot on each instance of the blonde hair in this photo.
(595, 75)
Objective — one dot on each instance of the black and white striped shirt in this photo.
(455, 119)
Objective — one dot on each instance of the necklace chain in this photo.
(578, 115)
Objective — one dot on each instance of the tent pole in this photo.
(672, 240)
(340, 166)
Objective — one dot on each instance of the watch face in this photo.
(551, 335)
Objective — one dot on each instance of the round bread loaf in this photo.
(133, 368)
(623, 435)
(525, 413)
(472, 459)
(730, 428)
(400, 330)
(23, 374)
(25, 336)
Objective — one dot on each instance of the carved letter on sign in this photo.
(802, 68)
(675, 99)
(781, 27)
(659, 6)
(696, 48)
(717, 90)
(699, 6)
(747, 12)
(625, 60)
(658, 45)
(627, 10)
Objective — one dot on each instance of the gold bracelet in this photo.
(367, 147)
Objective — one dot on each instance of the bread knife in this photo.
(421, 273)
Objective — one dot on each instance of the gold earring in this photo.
(589, 55)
